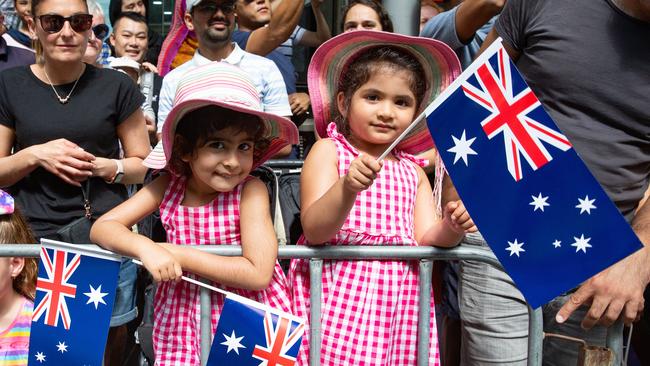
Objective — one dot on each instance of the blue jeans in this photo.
(124, 309)
(494, 318)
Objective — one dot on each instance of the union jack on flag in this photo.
(547, 220)
(74, 302)
(56, 287)
(250, 333)
(509, 115)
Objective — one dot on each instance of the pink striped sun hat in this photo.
(333, 57)
(226, 86)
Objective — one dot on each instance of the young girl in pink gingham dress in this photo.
(177, 312)
(370, 308)
(214, 136)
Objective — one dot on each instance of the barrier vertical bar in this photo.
(315, 289)
(206, 323)
(535, 336)
(424, 319)
(615, 341)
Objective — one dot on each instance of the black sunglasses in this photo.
(101, 31)
(53, 23)
(212, 7)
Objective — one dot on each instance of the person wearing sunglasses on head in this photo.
(97, 52)
(213, 23)
(62, 123)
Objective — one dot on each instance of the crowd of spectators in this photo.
(103, 95)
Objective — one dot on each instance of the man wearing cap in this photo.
(213, 21)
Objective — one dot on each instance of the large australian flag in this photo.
(74, 301)
(253, 334)
(537, 205)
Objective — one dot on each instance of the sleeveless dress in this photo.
(370, 308)
(177, 312)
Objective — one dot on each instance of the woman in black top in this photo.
(61, 126)
(65, 121)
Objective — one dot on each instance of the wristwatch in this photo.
(119, 174)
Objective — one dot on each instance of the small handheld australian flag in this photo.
(543, 214)
(250, 333)
(74, 301)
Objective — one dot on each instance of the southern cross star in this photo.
(96, 296)
(539, 202)
(581, 243)
(515, 248)
(586, 205)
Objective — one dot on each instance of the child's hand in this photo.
(458, 217)
(162, 265)
(362, 173)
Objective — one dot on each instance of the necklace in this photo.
(67, 97)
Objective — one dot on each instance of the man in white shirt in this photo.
(213, 21)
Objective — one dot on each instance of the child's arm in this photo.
(431, 231)
(254, 269)
(113, 232)
(326, 198)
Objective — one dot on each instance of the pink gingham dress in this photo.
(370, 308)
(176, 333)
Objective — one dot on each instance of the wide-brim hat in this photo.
(332, 58)
(227, 86)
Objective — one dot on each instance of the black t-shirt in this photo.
(101, 100)
(589, 64)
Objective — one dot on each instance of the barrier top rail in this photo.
(322, 252)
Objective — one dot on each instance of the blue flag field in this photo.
(74, 301)
(539, 208)
(250, 333)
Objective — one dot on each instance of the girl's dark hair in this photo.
(199, 126)
(14, 230)
(36, 43)
(382, 14)
(359, 71)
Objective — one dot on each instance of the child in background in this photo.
(215, 134)
(376, 83)
(17, 287)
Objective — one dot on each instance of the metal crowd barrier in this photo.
(316, 255)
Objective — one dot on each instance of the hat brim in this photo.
(280, 132)
(331, 59)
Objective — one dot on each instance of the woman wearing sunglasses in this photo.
(97, 52)
(61, 125)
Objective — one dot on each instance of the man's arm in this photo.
(283, 21)
(491, 37)
(473, 14)
(323, 33)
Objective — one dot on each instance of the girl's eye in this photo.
(372, 97)
(216, 145)
(245, 146)
(403, 103)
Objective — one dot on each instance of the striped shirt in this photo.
(14, 341)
